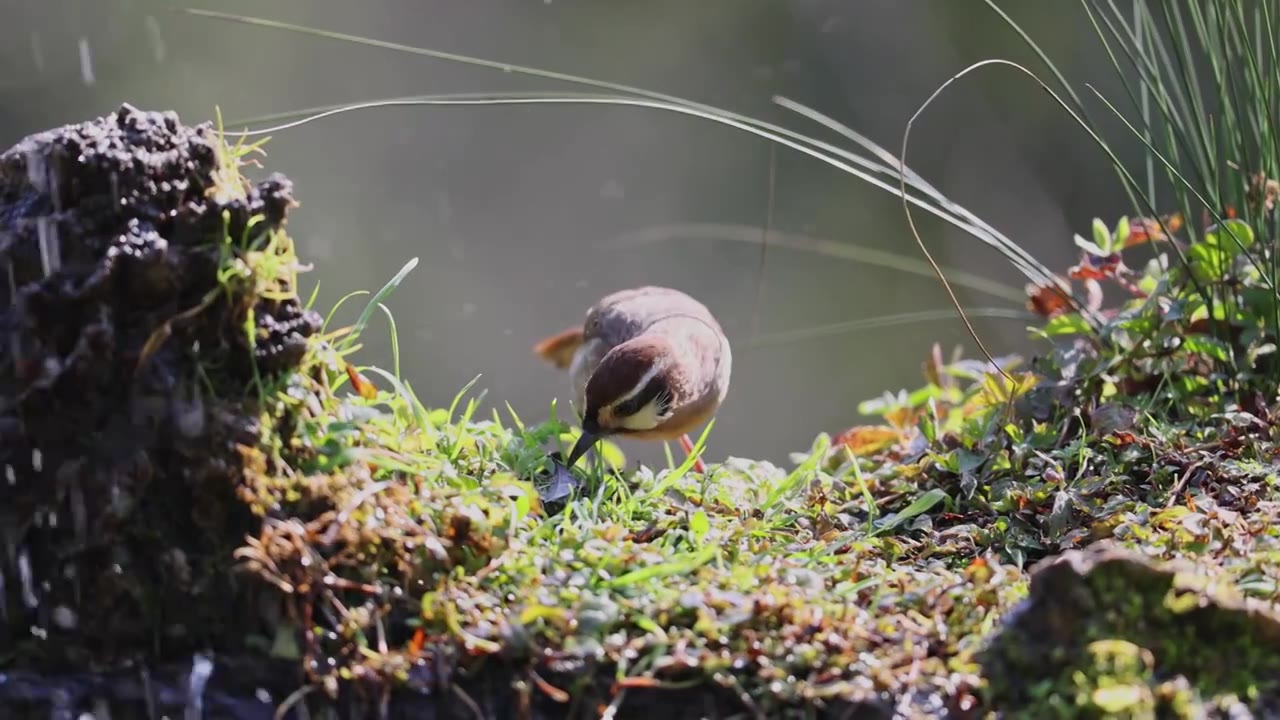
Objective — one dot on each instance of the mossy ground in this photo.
(887, 570)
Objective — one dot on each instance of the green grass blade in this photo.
(882, 321)
(373, 303)
(804, 243)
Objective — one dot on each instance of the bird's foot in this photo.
(687, 444)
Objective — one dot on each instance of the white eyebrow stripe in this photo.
(649, 374)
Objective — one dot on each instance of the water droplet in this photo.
(37, 171)
(201, 669)
(86, 62)
(157, 39)
(50, 248)
(64, 617)
(24, 576)
(37, 52)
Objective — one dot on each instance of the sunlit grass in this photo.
(883, 559)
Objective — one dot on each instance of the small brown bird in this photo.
(647, 363)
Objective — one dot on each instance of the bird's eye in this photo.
(628, 407)
(655, 392)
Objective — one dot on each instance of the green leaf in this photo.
(1222, 236)
(1102, 236)
(1122, 233)
(923, 395)
(929, 422)
(1066, 324)
(681, 566)
(367, 313)
(922, 505)
(1208, 262)
(1117, 698)
(1205, 345)
(606, 450)
(612, 454)
(1089, 247)
(699, 526)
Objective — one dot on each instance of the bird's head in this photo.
(634, 389)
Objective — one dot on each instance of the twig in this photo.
(1182, 483)
(294, 698)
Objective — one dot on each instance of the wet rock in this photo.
(1108, 632)
(126, 379)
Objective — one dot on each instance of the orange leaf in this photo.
(418, 641)
(902, 418)
(978, 570)
(865, 440)
(1047, 300)
(1142, 230)
(366, 389)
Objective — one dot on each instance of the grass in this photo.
(888, 566)
(880, 565)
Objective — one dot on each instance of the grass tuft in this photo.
(889, 567)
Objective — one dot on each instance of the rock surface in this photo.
(123, 382)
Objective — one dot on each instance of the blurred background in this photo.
(516, 212)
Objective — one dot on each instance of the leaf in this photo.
(681, 566)
(367, 313)
(928, 422)
(1066, 324)
(1207, 346)
(560, 485)
(1111, 417)
(366, 389)
(1047, 300)
(699, 525)
(537, 612)
(1090, 247)
(612, 454)
(605, 449)
(1102, 236)
(1208, 261)
(922, 504)
(1060, 516)
(866, 440)
(1222, 236)
(996, 391)
(1117, 698)
(1121, 236)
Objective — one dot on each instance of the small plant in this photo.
(881, 562)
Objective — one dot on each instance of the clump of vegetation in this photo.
(149, 287)
(890, 569)
(1091, 533)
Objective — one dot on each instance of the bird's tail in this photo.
(559, 348)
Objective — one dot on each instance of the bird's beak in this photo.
(589, 437)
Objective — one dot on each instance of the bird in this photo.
(649, 363)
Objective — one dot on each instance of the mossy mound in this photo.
(132, 326)
(401, 558)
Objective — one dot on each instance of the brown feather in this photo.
(559, 348)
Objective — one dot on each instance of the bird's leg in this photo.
(687, 444)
